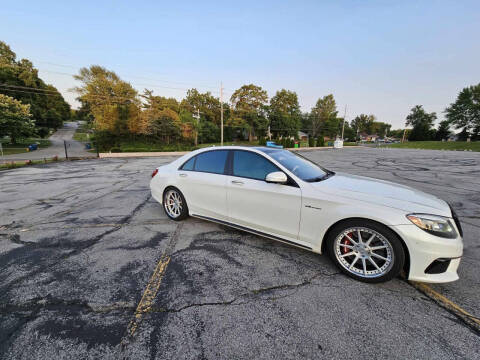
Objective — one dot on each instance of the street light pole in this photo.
(221, 114)
(344, 117)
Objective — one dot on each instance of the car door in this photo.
(203, 182)
(254, 203)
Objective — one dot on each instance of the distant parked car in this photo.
(372, 229)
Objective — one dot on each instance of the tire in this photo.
(174, 204)
(377, 257)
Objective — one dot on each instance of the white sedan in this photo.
(372, 229)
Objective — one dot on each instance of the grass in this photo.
(438, 145)
(19, 164)
(21, 147)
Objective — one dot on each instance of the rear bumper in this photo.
(424, 249)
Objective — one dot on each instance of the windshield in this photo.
(300, 166)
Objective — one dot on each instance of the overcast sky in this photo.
(376, 57)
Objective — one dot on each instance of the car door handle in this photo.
(237, 182)
(183, 175)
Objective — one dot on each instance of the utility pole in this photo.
(344, 117)
(221, 114)
(65, 145)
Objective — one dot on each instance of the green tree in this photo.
(160, 102)
(422, 123)
(21, 81)
(112, 101)
(284, 113)
(249, 104)
(204, 104)
(323, 117)
(443, 131)
(209, 132)
(362, 123)
(15, 119)
(349, 134)
(164, 125)
(464, 113)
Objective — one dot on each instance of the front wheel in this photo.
(174, 204)
(366, 250)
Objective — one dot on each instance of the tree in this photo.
(164, 124)
(422, 123)
(186, 117)
(464, 113)
(21, 81)
(443, 131)
(15, 119)
(323, 117)
(349, 133)
(398, 133)
(111, 100)
(284, 114)
(160, 102)
(207, 105)
(249, 104)
(363, 123)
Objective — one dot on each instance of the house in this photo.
(453, 137)
(368, 138)
(302, 136)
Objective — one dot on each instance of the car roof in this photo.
(264, 149)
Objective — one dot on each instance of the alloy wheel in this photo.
(364, 252)
(173, 203)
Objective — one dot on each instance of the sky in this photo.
(375, 57)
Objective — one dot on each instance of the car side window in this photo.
(211, 161)
(189, 164)
(251, 165)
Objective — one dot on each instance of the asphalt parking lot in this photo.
(90, 267)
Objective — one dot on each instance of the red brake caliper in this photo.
(346, 242)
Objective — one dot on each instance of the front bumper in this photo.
(425, 248)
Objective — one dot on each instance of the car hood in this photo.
(386, 193)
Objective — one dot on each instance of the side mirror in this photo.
(277, 177)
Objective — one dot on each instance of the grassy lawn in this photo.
(438, 145)
(21, 147)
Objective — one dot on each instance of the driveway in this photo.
(58, 139)
(90, 267)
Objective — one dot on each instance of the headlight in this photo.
(433, 224)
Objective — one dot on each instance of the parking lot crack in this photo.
(248, 294)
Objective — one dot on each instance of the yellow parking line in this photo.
(445, 302)
(149, 294)
(152, 287)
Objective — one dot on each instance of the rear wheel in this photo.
(174, 204)
(366, 250)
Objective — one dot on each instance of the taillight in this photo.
(154, 172)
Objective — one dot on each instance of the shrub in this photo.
(55, 158)
(320, 141)
(311, 141)
(28, 162)
(115, 150)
